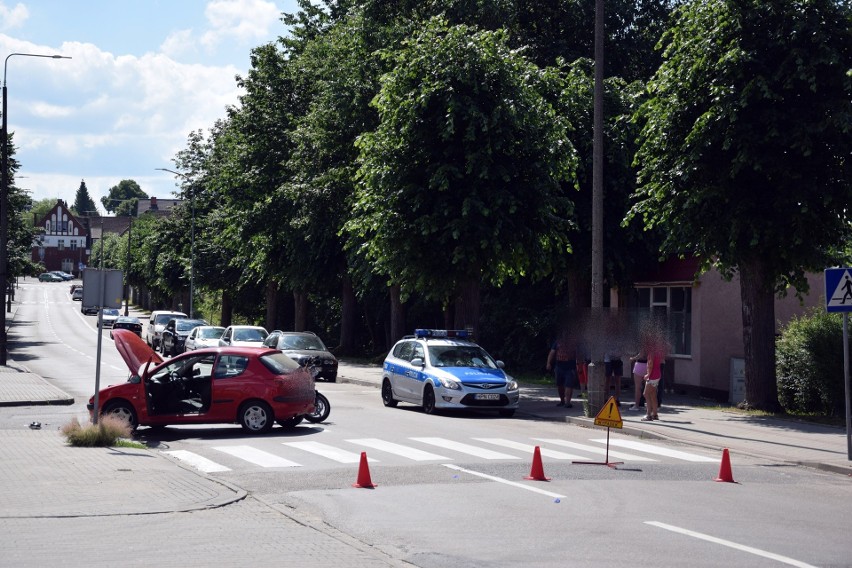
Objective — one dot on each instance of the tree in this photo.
(461, 179)
(123, 199)
(84, 205)
(41, 208)
(745, 151)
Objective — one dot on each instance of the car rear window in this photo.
(278, 363)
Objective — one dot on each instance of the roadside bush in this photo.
(809, 365)
(106, 432)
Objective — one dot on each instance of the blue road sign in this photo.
(838, 289)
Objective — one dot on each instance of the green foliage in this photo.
(41, 208)
(84, 205)
(123, 199)
(810, 364)
(106, 433)
(747, 133)
(461, 179)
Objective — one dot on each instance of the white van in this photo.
(156, 323)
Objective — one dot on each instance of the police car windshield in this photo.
(460, 356)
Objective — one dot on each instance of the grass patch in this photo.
(109, 431)
(534, 379)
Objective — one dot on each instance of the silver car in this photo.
(203, 336)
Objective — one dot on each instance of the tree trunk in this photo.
(348, 316)
(271, 304)
(467, 306)
(227, 309)
(300, 306)
(758, 305)
(397, 315)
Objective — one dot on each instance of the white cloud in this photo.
(243, 20)
(179, 43)
(13, 17)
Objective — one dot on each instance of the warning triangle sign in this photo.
(609, 415)
(842, 295)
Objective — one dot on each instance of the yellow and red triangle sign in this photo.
(609, 415)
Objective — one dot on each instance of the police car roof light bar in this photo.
(435, 333)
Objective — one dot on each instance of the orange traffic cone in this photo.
(537, 471)
(725, 469)
(364, 480)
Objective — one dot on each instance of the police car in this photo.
(445, 369)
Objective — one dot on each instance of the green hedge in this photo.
(810, 364)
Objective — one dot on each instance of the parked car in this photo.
(89, 310)
(129, 323)
(203, 336)
(243, 335)
(77, 294)
(251, 387)
(156, 323)
(63, 275)
(444, 369)
(174, 335)
(302, 346)
(49, 277)
(109, 315)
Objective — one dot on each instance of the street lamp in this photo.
(4, 203)
(191, 241)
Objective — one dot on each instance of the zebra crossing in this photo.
(419, 449)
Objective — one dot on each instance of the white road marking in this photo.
(257, 457)
(327, 451)
(466, 449)
(530, 449)
(397, 449)
(504, 481)
(198, 462)
(734, 545)
(594, 449)
(660, 451)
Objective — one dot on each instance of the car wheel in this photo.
(123, 410)
(507, 412)
(429, 400)
(290, 423)
(387, 394)
(256, 417)
(321, 410)
(332, 379)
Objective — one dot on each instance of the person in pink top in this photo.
(656, 351)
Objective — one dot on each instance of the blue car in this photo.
(446, 370)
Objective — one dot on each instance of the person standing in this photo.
(614, 368)
(563, 360)
(656, 356)
(640, 367)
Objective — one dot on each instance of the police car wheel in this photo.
(429, 401)
(387, 394)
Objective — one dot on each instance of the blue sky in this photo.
(143, 75)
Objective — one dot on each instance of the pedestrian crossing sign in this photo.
(838, 289)
(609, 415)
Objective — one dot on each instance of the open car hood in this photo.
(134, 351)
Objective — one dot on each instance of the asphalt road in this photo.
(445, 498)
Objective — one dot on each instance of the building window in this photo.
(73, 244)
(61, 244)
(671, 305)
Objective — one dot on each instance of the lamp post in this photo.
(4, 204)
(191, 242)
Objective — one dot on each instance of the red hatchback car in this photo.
(246, 385)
